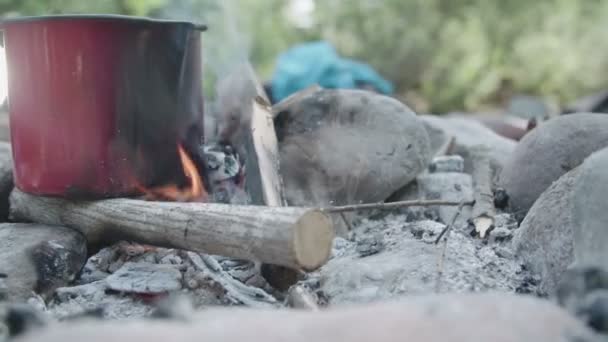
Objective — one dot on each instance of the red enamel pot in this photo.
(98, 104)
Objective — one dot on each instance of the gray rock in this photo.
(453, 163)
(429, 318)
(38, 258)
(349, 146)
(590, 211)
(468, 133)
(448, 186)
(145, 278)
(544, 239)
(549, 151)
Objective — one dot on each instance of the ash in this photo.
(389, 257)
(385, 256)
(133, 281)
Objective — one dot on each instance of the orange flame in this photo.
(195, 192)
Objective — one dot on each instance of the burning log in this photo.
(299, 238)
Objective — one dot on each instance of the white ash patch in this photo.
(129, 280)
(408, 263)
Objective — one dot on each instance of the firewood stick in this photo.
(483, 211)
(299, 238)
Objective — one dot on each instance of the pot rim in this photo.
(102, 17)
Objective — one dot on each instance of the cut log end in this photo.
(313, 237)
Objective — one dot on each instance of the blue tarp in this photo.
(319, 63)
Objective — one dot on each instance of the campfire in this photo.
(360, 202)
(194, 191)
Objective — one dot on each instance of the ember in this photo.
(193, 192)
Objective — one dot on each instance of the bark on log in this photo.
(294, 237)
(483, 212)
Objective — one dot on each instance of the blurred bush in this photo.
(447, 54)
(456, 54)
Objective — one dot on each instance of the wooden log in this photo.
(299, 238)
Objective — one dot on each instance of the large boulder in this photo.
(549, 151)
(545, 238)
(38, 258)
(567, 223)
(345, 146)
(431, 318)
(590, 212)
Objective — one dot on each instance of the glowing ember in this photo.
(194, 192)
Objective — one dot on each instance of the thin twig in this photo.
(445, 245)
(449, 226)
(393, 205)
(346, 221)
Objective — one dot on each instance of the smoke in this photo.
(226, 54)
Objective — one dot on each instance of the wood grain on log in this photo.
(299, 238)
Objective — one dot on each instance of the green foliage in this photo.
(456, 52)
(452, 53)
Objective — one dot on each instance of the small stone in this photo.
(38, 258)
(145, 278)
(370, 245)
(453, 163)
